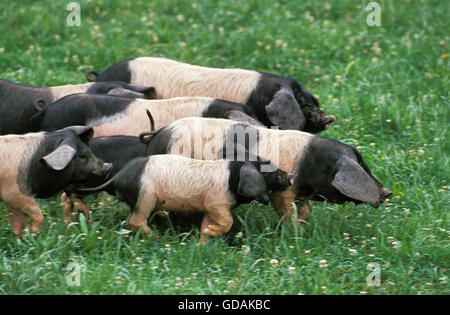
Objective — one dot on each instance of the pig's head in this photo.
(336, 172)
(73, 155)
(315, 119)
(256, 185)
(61, 158)
(251, 184)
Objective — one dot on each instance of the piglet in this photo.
(170, 182)
(276, 100)
(39, 165)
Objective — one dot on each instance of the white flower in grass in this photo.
(323, 263)
(274, 262)
(245, 249)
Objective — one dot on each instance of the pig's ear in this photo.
(285, 112)
(352, 181)
(251, 181)
(148, 91)
(84, 132)
(243, 117)
(59, 158)
(125, 93)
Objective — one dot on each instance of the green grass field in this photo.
(387, 85)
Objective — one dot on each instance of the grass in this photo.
(388, 86)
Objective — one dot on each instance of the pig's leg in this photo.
(67, 206)
(81, 207)
(215, 222)
(69, 203)
(139, 216)
(282, 202)
(17, 221)
(27, 206)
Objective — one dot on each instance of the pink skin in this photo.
(329, 124)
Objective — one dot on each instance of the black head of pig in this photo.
(256, 185)
(63, 158)
(336, 172)
(252, 184)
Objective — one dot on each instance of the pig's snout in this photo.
(385, 193)
(328, 121)
(107, 167)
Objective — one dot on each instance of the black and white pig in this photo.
(276, 101)
(110, 115)
(324, 169)
(39, 165)
(18, 103)
(177, 183)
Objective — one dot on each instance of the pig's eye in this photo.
(83, 156)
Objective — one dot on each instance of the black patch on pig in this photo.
(160, 142)
(318, 167)
(127, 183)
(277, 180)
(233, 183)
(119, 71)
(220, 109)
(40, 181)
(79, 109)
(265, 90)
(118, 150)
(17, 106)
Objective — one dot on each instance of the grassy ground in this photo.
(387, 85)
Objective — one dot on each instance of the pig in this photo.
(324, 169)
(39, 165)
(276, 100)
(177, 183)
(18, 103)
(110, 115)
